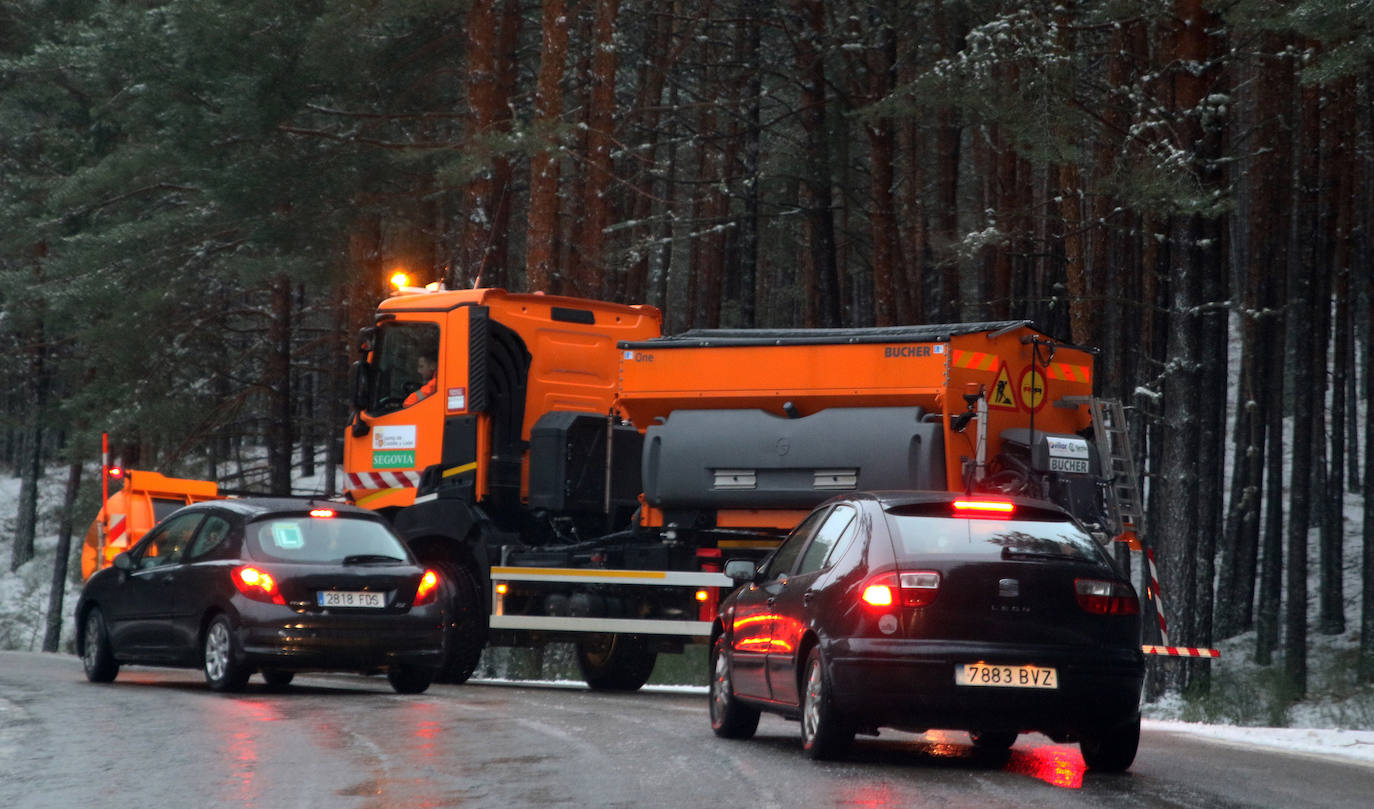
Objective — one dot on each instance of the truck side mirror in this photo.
(360, 385)
(740, 570)
(367, 339)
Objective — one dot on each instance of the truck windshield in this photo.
(403, 365)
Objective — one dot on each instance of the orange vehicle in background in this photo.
(576, 476)
(140, 500)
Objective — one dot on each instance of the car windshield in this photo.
(923, 535)
(315, 540)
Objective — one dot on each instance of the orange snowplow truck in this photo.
(138, 500)
(577, 476)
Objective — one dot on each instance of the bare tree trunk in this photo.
(824, 302)
(278, 384)
(52, 634)
(540, 272)
(600, 169)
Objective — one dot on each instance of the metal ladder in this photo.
(1114, 445)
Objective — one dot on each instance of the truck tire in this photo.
(465, 624)
(624, 664)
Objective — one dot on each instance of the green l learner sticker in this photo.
(394, 459)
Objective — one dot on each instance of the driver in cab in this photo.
(428, 365)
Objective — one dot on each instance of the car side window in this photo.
(211, 536)
(781, 561)
(165, 544)
(827, 537)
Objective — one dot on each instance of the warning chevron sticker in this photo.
(1000, 397)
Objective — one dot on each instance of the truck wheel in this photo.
(730, 718)
(222, 671)
(96, 655)
(622, 665)
(1111, 749)
(465, 624)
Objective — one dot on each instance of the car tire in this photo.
(730, 718)
(277, 678)
(465, 623)
(1111, 749)
(219, 658)
(993, 741)
(625, 664)
(824, 734)
(408, 679)
(97, 657)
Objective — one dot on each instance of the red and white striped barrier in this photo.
(1180, 651)
(1164, 649)
(404, 479)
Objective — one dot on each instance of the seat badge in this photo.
(1008, 588)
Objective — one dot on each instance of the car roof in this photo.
(253, 507)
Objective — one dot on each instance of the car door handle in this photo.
(806, 598)
(771, 600)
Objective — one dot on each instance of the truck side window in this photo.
(403, 365)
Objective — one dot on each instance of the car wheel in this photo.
(622, 665)
(824, 734)
(1111, 749)
(277, 678)
(222, 670)
(96, 655)
(407, 679)
(465, 624)
(730, 719)
(993, 740)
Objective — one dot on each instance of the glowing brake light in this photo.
(428, 589)
(916, 588)
(1106, 597)
(985, 508)
(322, 513)
(257, 584)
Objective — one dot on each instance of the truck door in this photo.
(792, 601)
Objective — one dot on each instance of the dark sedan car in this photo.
(921, 610)
(270, 585)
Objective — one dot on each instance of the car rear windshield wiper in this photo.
(370, 558)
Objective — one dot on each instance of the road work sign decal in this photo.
(1032, 389)
(1000, 396)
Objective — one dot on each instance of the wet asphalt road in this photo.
(160, 738)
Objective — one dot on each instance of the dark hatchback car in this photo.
(270, 585)
(924, 610)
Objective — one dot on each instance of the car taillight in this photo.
(1101, 597)
(428, 589)
(916, 588)
(257, 584)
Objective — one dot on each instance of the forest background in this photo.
(201, 201)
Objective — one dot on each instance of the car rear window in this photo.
(322, 540)
(921, 535)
